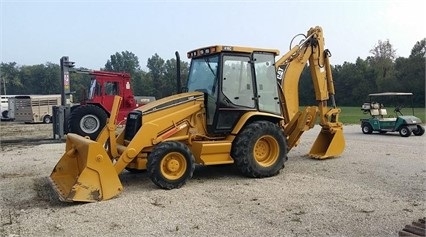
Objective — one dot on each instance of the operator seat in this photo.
(374, 111)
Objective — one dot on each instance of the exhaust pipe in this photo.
(179, 81)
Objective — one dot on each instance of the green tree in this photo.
(147, 87)
(156, 71)
(419, 49)
(353, 82)
(382, 61)
(126, 62)
(123, 62)
(306, 88)
(10, 82)
(410, 73)
(40, 79)
(170, 76)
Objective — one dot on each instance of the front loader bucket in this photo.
(85, 172)
(329, 143)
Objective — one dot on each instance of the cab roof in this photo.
(222, 48)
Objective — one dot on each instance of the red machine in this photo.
(89, 116)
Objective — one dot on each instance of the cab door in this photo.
(266, 85)
(237, 92)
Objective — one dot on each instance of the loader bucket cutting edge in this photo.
(85, 172)
(328, 144)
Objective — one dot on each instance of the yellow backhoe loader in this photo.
(241, 107)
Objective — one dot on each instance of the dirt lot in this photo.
(374, 189)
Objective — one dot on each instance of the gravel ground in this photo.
(374, 189)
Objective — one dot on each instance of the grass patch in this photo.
(352, 115)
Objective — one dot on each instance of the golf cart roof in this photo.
(391, 94)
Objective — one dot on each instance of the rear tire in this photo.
(87, 120)
(170, 164)
(419, 131)
(404, 131)
(260, 150)
(366, 128)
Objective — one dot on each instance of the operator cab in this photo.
(235, 80)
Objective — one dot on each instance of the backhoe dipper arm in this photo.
(289, 68)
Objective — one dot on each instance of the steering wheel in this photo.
(398, 109)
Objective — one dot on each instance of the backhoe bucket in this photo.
(85, 172)
(329, 143)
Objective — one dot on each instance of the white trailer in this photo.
(34, 108)
(5, 109)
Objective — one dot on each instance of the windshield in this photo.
(92, 88)
(202, 74)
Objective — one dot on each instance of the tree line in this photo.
(380, 72)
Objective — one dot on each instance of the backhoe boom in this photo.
(330, 142)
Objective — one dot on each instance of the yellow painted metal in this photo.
(266, 151)
(88, 171)
(173, 166)
(85, 172)
(248, 115)
(329, 143)
(212, 152)
(138, 163)
(302, 121)
(159, 117)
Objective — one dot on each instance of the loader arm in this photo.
(163, 118)
(330, 142)
(88, 171)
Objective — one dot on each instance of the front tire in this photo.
(170, 164)
(366, 128)
(87, 120)
(404, 131)
(260, 150)
(419, 131)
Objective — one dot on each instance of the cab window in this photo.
(267, 88)
(238, 81)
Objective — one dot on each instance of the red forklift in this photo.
(88, 117)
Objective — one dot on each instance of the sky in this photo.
(89, 32)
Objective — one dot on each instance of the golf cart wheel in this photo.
(366, 128)
(419, 131)
(404, 131)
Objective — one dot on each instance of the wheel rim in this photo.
(365, 129)
(404, 131)
(173, 166)
(47, 119)
(89, 124)
(266, 151)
